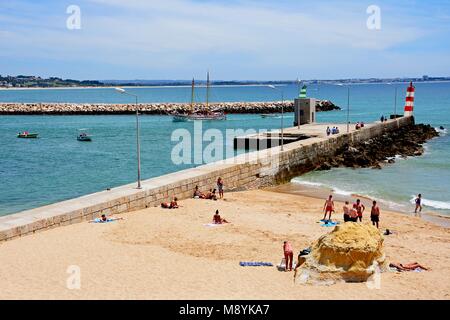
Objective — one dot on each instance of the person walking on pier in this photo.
(328, 207)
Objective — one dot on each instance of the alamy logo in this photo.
(73, 22)
(374, 19)
(74, 279)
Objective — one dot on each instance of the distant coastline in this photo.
(36, 82)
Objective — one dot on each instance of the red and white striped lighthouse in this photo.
(409, 104)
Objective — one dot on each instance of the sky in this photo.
(234, 39)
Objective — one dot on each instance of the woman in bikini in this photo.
(217, 219)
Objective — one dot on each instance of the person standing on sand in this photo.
(359, 209)
(375, 214)
(346, 212)
(220, 187)
(418, 203)
(328, 207)
(288, 255)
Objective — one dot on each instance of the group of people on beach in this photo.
(352, 213)
(210, 195)
(334, 130)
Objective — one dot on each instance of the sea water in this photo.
(55, 167)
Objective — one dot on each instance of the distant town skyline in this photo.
(235, 40)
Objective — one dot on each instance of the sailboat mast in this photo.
(192, 95)
(207, 91)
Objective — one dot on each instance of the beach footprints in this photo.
(73, 22)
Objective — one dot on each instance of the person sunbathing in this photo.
(172, 205)
(217, 219)
(198, 194)
(211, 195)
(407, 267)
(104, 219)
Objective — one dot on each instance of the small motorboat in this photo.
(27, 135)
(83, 136)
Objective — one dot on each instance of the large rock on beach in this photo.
(352, 252)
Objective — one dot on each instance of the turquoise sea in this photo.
(56, 166)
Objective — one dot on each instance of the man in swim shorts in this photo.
(418, 203)
(375, 214)
(328, 207)
(359, 209)
(346, 212)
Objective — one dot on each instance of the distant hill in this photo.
(23, 81)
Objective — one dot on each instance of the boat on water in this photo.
(27, 135)
(203, 115)
(269, 115)
(83, 136)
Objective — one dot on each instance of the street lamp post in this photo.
(138, 144)
(348, 109)
(282, 114)
(348, 106)
(298, 109)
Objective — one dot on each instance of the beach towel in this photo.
(212, 225)
(329, 224)
(255, 264)
(98, 220)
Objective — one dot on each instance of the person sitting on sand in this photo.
(210, 195)
(217, 219)
(198, 194)
(104, 219)
(375, 214)
(359, 208)
(328, 131)
(407, 267)
(172, 205)
(328, 207)
(288, 255)
(358, 126)
(337, 130)
(346, 209)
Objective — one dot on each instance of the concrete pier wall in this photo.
(247, 171)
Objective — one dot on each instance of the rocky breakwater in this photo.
(152, 108)
(407, 141)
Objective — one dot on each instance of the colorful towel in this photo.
(255, 264)
(329, 224)
(98, 220)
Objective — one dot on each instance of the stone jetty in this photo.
(152, 108)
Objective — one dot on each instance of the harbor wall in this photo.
(246, 171)
(12, 108)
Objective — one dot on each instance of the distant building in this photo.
(425, 78)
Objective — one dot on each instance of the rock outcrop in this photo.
(352, 252)
(153, 108)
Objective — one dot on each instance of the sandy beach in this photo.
(170, 254)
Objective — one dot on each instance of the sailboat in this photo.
(205, 114)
